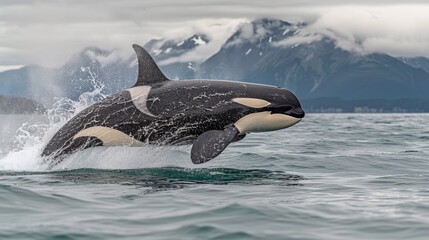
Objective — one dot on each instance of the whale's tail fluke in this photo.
(149, 72)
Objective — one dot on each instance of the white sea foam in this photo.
(127, 158)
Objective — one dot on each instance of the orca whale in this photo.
(209, 114)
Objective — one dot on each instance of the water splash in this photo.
(127, 158)
(33, 135)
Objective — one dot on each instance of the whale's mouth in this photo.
(295, 112)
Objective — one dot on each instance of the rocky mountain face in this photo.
(266, 51)
(167, 54)
(417, 62)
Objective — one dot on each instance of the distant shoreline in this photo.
(337, 105)
(354, 113)
(18, 105)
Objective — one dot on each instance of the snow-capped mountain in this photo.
(252, 43)
(275, 52)
(268, 51)
(164, 49)
(92, 66)
(417, 62)
(175, 55)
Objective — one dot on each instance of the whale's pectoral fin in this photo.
(211, 143)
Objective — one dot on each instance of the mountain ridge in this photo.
(267, 51)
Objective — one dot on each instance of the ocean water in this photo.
(332, 176)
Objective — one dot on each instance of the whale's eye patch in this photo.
(252, 102)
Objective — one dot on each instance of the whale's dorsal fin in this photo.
(148, 70)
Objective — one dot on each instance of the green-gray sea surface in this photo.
(332, 176)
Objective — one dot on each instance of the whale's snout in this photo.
(296, 112)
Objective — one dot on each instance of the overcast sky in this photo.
(47, 32)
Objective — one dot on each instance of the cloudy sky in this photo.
(48, 32)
